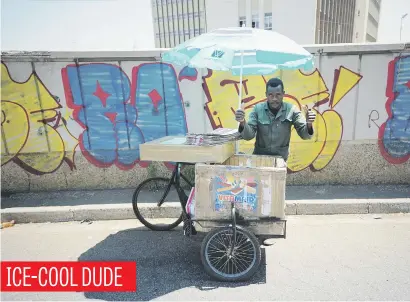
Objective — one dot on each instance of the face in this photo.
(274, 96)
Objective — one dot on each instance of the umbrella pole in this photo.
(240, 98)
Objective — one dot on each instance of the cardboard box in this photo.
(173, 149)
(255, 183)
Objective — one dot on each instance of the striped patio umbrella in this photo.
(242, 50)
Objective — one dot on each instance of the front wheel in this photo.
(156, 192)
(220, 265)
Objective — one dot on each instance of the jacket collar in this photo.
(282, 110)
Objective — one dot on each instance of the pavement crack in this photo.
(282, 266)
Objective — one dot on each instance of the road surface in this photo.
(351, 257)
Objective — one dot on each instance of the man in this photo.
(272, 120)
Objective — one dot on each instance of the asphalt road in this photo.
(323, 258)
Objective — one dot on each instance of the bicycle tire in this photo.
(137, 212)
(220, 276)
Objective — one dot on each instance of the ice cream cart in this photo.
(236, 199)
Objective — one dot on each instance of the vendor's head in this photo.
(274, 93)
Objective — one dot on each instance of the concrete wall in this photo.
(284, 16)
(226, 13)
(250, 8)
(221, 13)
(76, 120)
(360, 21)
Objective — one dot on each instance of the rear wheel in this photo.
(241, 265)
(150, 200)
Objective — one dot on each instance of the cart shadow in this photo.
(166, 262)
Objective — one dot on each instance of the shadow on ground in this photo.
(166, 262)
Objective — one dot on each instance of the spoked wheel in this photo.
(158, 192)
(217, 261)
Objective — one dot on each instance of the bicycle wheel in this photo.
(241, 265)
(156, 191)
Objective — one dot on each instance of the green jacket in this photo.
(273, 132)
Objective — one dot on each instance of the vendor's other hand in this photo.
(310, 116)
(240, 115)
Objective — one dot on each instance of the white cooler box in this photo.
(255, 183)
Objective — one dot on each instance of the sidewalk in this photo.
(116, 204)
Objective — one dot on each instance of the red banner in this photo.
(81, 276)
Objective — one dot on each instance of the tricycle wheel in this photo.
(241, 265)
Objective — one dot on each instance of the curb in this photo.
(91, 212)
(343, 206)
(173, 210)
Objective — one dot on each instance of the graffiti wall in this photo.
(111, 114)
(56, 115)
(301, 89)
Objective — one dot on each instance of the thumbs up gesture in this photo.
(310, 114)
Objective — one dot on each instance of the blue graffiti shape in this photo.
(396, 130)
(100, 96)
(118, 115)
(158, 100)
(188, 73)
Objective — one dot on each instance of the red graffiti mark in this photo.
(3, 117)
(248, 99)
(189, 78)
(101, 94)
(56, 119)
(407, 84)
(112, 116)
(245, 87)
(237, 83)
(209, 98)
(155, 98)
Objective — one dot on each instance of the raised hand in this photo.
(310, 116)
(240, 115)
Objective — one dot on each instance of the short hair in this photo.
(275, 82)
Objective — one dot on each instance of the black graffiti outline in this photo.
(371, 119)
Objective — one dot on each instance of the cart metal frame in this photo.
(235, 222)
